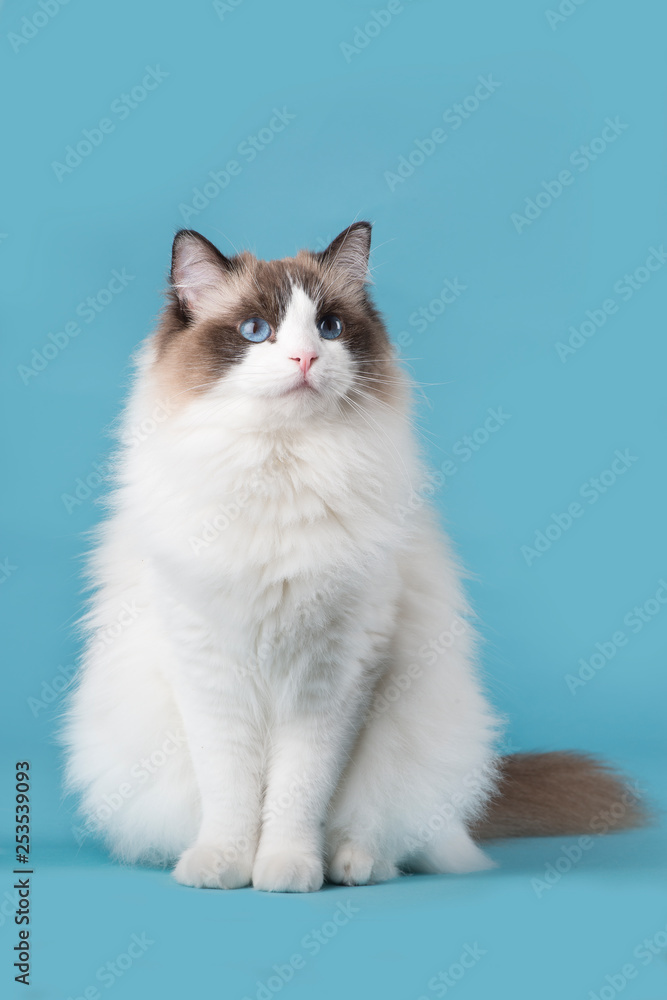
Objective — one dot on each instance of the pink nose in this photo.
(305, 360)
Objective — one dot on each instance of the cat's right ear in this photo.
(198, 273)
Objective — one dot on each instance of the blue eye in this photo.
(255, 329)
(330, 327)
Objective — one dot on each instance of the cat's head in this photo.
(281, 339)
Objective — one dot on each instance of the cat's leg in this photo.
(307, 755)
(226, 753)
(354, 864)
(386, 820)
(224, 733)
(363, 825)
(423, 765)
(421, 769)
(415, 780)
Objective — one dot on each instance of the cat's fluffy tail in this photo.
(558, 794)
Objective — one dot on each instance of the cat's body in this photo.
(279, 684)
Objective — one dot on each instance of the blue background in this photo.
(356, 113)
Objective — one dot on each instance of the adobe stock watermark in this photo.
(469, 444)
(564, 11)
(364, 34)
(644, 953)
(266, 648)
(572, 854)
(445, 980)
(312, 944)
(138, 775)
(127, 615)
(247, 152)
(121, 108)
(214, 526)
(581, 159)
(392, 688)
(225, 514)
(84, 488)
(453, 117)
(133, 435)
(464, 449)
(475, 781)
(256, 661)
(420, 319)
(224, 7)
(625, 288)
(102, 472)
(31, 25)
(225, 856)
(635, 621)
(109, 973)
(87, 310)
(7, 568)
(590, 491)
(51, 691)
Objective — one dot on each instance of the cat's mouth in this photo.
(303, 385)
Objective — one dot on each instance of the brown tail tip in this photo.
(559, 794)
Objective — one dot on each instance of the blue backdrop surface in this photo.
(512, 158)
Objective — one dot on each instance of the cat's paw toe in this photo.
(288, 871)
(206, 866)
(352, 865)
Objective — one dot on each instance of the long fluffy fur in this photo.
(279, 680)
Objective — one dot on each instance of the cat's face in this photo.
(282, 339)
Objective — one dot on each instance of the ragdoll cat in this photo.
(279, 684)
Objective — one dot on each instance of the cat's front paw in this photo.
(288, 871)
(206, 866)
(353, 865)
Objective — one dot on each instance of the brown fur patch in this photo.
(558, 794)
(193, 352)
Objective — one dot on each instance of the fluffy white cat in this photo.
(279, 680)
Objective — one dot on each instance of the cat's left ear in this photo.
(349, 252)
